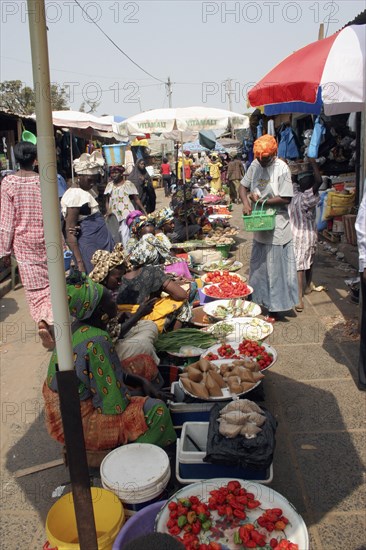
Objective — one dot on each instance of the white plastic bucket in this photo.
(137, 473)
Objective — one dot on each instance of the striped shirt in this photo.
(302, 210)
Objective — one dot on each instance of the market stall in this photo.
(326, 78)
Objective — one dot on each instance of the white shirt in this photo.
(75, 197)
(360, 227)
(270, 181)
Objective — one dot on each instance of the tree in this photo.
(93, 106)
(21, 100)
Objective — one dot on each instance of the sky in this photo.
(200, 45)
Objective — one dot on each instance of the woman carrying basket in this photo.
(272, 265)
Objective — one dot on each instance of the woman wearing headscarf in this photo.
(215, 172)
(183, 208)
(111, 416)
(121, 195)
(22, 234)
(142, 181)
(273, 273)
(86, 230)
(147, 280)
(134, 339)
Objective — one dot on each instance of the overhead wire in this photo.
(116, 45)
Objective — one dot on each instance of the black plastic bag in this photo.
(256, 453)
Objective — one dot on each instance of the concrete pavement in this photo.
(321, 451)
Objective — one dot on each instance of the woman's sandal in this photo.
(299, 308)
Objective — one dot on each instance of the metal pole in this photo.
(52, 229)
(184, 187)
(71, 157)
(170, 92)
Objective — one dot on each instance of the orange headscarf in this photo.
(265, 146)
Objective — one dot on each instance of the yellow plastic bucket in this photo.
(61, 526)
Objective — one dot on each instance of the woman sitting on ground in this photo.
(110, 415)
(85, 227)
(147, 280)
(133, 337)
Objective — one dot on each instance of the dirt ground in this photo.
(320, 454)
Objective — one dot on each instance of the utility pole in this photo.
(169, 91)
(321, 31)
(229, 92)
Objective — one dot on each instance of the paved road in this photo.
(321, 452)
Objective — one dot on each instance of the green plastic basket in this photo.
(259, 219)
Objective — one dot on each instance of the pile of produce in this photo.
(219, 240)
(222, 277)
(199, 522)
(244, 354)
(236, 308)
(241, 417)
(204, 380)
(174, 341)
(250, 348)
(228, 290)
(224, 265)
(223, 232)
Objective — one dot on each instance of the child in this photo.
(304, 232)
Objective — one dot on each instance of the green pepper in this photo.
(191, 516)
(182, 520)
(185, 502)
(207, 525)
(237, 539)
(202, 518)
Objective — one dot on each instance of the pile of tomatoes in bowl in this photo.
(228, 290)
(222, 277)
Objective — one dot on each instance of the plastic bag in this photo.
(254, 453)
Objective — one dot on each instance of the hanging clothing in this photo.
(287, 147)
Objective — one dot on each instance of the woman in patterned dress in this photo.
(22, 234)
(121, 195)
(111, 415)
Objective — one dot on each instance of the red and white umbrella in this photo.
(335, 65)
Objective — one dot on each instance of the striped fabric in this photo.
(304, 234)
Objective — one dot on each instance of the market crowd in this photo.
(127, 284)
